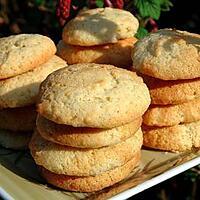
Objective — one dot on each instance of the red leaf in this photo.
(117, 3)
(63, 11)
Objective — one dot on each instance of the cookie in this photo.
(117, 54)
(172, 92)
(83, 162)
(100, 26)
(23, 52)
(93, 95)
(168, 54)
(22, 90)
(176, 138)
(14, 140)
(170, 115)
(85, 137)
(91, 183)
(18, 119)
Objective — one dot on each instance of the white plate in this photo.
(20, 180)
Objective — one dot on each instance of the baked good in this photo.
(83, 137)
(22, 90)
(172, 92)
(176, 138)
(91, 183)
(100, 26)
(83, 162)
(117, 54)
(93, 95)
(18, 119)
(14, 140)
(168, 54)
(170, 115)
(23, 52)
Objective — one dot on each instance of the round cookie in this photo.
(117, 54)
(176, 138)
(100, 26)
(85, 137)
(83, 162)
(23, 52)
(14, 140)
(91, 183)
(168, 54)
(170, 115)
(172, 92)
(18, 119)
(93, 95)
(22, 90)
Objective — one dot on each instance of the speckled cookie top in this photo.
(168, 54)
(22, 90)
(93, 95)
(23, 52)
(100, 26)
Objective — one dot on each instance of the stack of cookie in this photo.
(88, 128)
(102, 35)
(25, 61)
(170, 60)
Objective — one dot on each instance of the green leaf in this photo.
(148, 8)
(39, 2)
(165, 5)
(100, 3)
(142, 32)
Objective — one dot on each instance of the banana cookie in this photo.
(93, 95)
(117, 54)
(83, 137)
(172, 92)
(168, 54)
(22, 90)
(91, 183)
(170, 115)
(83, 162)
(23, 52)
(100, 26)
(176, 138)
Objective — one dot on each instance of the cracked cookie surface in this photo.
(93, 95)
(168, 54)
(100, 26)
(23, 52)
(22, 90)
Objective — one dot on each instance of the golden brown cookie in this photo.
(170, 115)
(24, 52)
(14, 140)
(180, 137)
(22, 90)
(93, 95)
(85, 137)
(83, 162)
(91, 183)
(100, 26)
(117, 54)
(172, 92)
(168, 54)
(18, 119)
